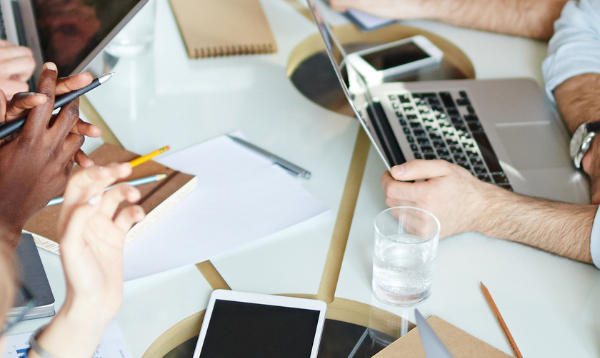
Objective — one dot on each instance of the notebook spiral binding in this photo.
(223, 51)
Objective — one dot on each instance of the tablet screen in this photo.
(395, 56)
(251, 330)
(69, 30)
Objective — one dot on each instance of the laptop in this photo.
(505, 132)
(69, 33)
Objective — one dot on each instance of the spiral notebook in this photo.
(215, 28)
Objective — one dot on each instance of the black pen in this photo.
(9, 128)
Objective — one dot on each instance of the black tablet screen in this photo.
(250, 330)
(395, 56)
(70, 30)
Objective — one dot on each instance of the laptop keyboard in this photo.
(445, 126)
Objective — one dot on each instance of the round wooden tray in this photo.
(350, 326)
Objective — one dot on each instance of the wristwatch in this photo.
(581, 141)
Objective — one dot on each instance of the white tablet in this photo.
(250, 325)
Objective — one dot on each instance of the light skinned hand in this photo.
(91, 246)
(92, 238)
(449, 192)
(16, 67)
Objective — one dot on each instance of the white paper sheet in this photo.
(112, 344)
(368, 21)
(240, 197)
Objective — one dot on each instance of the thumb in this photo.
(421, 169)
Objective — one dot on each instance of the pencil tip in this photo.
(161, 176)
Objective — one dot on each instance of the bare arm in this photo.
(578, 99)
(560, 228)
(463, 203)
(527, 18)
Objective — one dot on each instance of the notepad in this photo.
(157, 197)
(459, 343)
(241, 197)
(215, 28)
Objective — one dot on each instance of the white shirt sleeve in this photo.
(575, 47)
(595, 240)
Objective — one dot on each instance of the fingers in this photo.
(129, 216)
(39, 116)
(20, 67)
(8, 52)
(67, 118)
(422, 169)
(71, 146)
(113, 198)
(12, 86)
(83, 160)
(69, 84)
(87, 183)
(86, 129)
(23, 102)
(3, 107)
(90, 181)
(397, 192)
(73, 230)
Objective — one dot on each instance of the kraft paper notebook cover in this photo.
(459, 343)
(157, 197)
(214, 28)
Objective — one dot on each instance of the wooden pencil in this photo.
(148, 156)
(494, 308)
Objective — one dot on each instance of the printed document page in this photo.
(112, 344)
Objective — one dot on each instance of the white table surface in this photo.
(550, 304)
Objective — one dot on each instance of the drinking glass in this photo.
(137, 36)
(406, 241)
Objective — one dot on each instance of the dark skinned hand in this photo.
(36, 164)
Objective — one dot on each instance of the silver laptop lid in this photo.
(432, 344)
(360, 97)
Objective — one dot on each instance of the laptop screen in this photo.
(71, 30)
(352, 83)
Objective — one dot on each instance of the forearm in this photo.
(560, 228)
(578, 99)
(527, 18)
(75, 331)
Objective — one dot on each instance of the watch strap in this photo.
(593, 126)
(34, 346)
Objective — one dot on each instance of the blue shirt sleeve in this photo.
(575, 47)
(595, 241)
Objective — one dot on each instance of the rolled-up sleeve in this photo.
(575, 47)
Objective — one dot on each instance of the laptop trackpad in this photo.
(537, 145)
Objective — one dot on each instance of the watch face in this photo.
(577, 139)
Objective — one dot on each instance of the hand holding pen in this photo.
(13, 113)
(35, 165)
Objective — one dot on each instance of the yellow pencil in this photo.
(147, 157)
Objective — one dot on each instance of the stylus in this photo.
(9, 128)
(291, 167)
